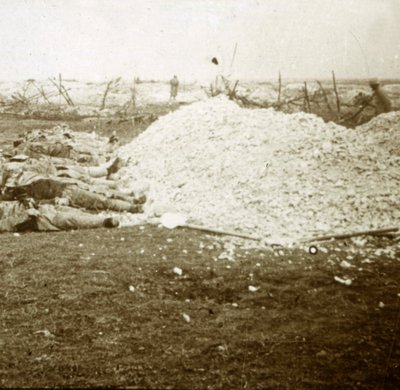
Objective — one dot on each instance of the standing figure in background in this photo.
(174, 83)
(220, 83)
(380, 99)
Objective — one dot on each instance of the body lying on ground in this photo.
(41, 187)
(97, 175)
(51, 169)
(64, 143)
(16, 216)
(76, 185)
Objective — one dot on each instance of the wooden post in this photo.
(59, 88)
(62, 92)
(65, 92)
(306, 98)
(43, 94)
(232, 92)
(336, 93)
(133, 95)
(103, 102)
(279, 90)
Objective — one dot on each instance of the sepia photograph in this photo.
(200, 194)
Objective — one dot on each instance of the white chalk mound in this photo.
(280, 176)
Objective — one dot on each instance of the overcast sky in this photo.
(96, 39)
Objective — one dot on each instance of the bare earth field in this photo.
(69, 317)
(104, 308)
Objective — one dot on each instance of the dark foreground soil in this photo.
(104, 308)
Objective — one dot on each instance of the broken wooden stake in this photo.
(103, 102)
(376, 232)
(62, 92)
(336, 92)
(306, 97)
(279, 90)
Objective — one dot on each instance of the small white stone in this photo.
(366, 261)
(177, 271)
(253, 289)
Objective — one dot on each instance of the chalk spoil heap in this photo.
(280, 176)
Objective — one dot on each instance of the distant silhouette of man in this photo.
(174, 83)
(380, 100)
(220, 81)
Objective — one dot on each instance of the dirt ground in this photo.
(105, 308)
(13, 126)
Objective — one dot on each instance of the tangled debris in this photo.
(268, 173)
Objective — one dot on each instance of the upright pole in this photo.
(279, 89)
(336, 93)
